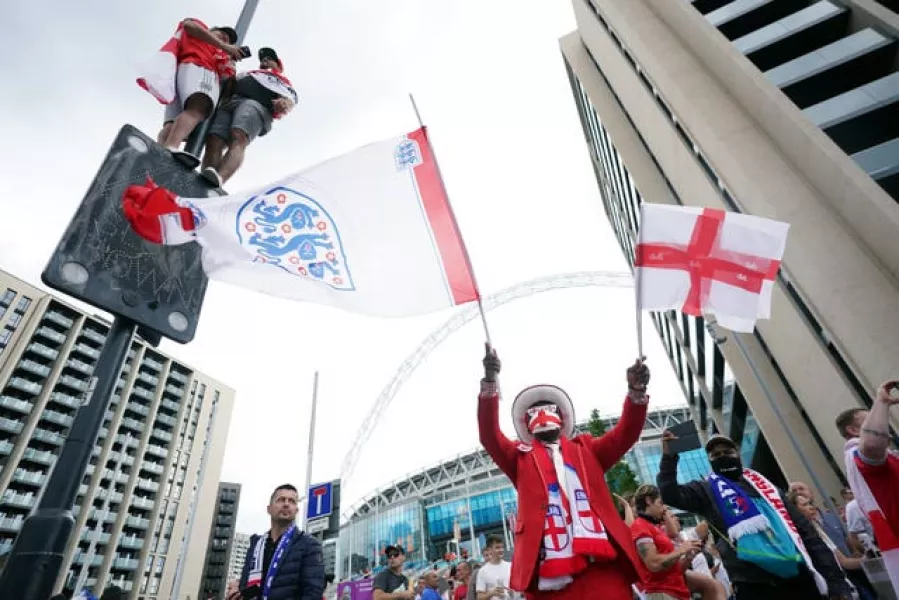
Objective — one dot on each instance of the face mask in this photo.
(730, 467)
(543, 418)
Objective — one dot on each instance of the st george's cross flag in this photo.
(370, 232)
(706, 261)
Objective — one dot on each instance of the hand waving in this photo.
(492, 364)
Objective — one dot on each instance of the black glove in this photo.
(638, 376)
(492, 364)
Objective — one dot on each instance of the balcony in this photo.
(11, 426)
(132, 424)
(87, 350)
(59, 319)
(83, 367)
(11, 498)
(6, 447)
(20, 406)
(11, 523)
(177, 376)
(5, 546)
(152, 467)
(65, 399)
(42, 457)
(29, 477)
(141, 409)
(72, 382)
(49, 437)
(50, 334)
(142, 503)
(131, 543)
(42, 350)
(57, 417)
(93, 336)
(154, 449)
(162, 435)
(169, 405)
(82, 557)
(166, 420)
(147, 484)
(34, 367)
(150, 380)
(96, 536)
(26, 386)
(137, 522)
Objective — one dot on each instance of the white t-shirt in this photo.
(492, 576)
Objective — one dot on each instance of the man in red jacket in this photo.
(570, 542)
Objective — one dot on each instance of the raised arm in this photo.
(690, 497)
(501, 449)
(610, 447)
(875, 437)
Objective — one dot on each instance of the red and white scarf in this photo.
(884, 534)
(770, 495)
(570, 537)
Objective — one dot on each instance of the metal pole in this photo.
(452, 215)
(36, 560)
(198, 135)
(194, 503)
(311, 446)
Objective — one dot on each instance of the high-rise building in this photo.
(153, 473)
(221, 538)
(784, 110)
(238, 555)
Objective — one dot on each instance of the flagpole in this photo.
(309, 453)
(452, 213)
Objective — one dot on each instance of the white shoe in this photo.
(212, 176)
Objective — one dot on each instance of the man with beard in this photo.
(771, 551)
(283, 563)
(569, 540)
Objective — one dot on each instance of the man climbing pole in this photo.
(259, 97)
(185, 75)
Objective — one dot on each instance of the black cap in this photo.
(391, 549)
(270, 53)
(717, 440)
(230, 32)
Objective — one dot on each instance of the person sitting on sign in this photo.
(569, 539)
(283, 563)
(768, 547)
(186, 75)
(259, 97)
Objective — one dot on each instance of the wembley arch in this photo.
(464, 316)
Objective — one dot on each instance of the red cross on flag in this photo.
(707, 261)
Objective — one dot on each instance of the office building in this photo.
(240, 546)
(443, 508)
(221, 542)
(152, 476)
(784, 110)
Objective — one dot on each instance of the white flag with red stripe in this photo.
(370, 232)
(158, 73)
(706, 261)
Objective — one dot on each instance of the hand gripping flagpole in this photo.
(452, 213)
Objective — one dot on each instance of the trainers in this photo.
(212, 176)
(185, 158)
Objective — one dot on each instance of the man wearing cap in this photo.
(769, 549)
(391, 584)
(569, 539)
(259, 97)
(201, 57)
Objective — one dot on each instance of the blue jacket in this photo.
(301, 575)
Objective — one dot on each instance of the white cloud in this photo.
(492, 88)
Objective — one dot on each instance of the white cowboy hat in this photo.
(545, 393)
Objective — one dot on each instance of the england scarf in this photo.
(573, 533)
(884, 534)
(256, 575)
(275, 82)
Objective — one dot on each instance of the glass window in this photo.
(22, 305)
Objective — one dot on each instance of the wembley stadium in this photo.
(449, 509)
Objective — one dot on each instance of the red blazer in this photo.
(516, 460)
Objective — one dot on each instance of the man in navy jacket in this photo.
(284, 563)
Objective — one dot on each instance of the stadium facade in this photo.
(784, 110)
(451, 507)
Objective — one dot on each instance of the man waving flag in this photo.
(371, 232)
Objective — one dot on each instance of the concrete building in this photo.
(221, 542)
(778, 109)
(239, 549)
(153, 473)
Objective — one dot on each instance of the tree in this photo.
(621, 479)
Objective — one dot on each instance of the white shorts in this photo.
(192, 79)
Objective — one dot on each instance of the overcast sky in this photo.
(491, 85)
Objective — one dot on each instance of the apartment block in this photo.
(221, 542)
(152, 477)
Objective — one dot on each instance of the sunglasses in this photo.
(536, 410)
(393, 555)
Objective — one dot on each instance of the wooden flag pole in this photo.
(455, 224)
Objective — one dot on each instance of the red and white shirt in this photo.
(197, 52)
